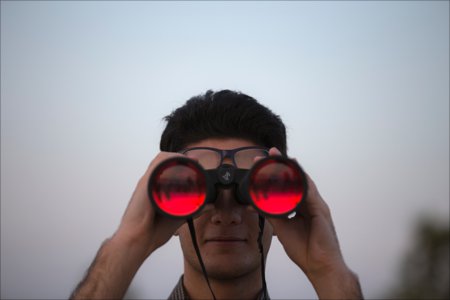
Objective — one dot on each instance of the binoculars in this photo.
(180, 187)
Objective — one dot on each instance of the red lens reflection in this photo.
(276, 187)
(179, 188)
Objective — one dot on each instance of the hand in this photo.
(141, 226)
(310, 241)
(141, 231)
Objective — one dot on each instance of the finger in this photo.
(159, 158)
(314, 201)
(278, 224)
(274, 152)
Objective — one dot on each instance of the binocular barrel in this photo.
(180, 187)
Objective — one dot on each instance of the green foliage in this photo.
(424, 273)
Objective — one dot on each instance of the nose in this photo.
(227, 160)
(227, 211)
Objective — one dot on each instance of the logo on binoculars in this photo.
(226, 176)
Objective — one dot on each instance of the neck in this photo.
(248, 286)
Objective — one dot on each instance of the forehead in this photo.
(222, 143)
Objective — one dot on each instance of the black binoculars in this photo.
(180, 187)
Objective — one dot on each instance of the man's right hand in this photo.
(140, 232)
(141, 227)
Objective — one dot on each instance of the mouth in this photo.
(225, 239)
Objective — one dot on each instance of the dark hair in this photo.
(223, 114)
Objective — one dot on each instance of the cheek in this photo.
(252, 222)
(185, 237)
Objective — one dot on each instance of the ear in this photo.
(176, 233)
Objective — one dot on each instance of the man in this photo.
(226, 231)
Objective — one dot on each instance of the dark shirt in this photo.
(179, 292)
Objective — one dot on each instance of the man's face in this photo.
(226, 231)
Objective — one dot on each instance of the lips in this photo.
(225, 239)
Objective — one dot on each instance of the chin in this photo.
(227, 273)
(230, 269)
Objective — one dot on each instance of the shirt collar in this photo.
(179, 292)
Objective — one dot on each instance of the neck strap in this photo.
(261, 251)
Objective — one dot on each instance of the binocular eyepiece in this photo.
(180, 187)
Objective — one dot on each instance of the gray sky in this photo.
(363, 88)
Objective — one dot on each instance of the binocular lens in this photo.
(179, 188)
(275, 187)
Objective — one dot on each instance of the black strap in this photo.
(197, 250)
(261, 251)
